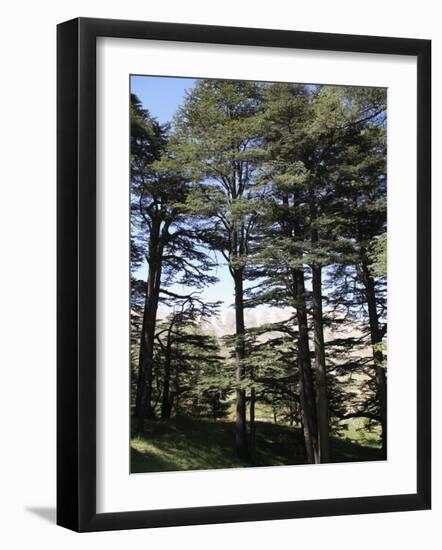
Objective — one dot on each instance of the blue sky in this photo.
(161, 96)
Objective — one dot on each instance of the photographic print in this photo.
(258, 314)
(222, 284)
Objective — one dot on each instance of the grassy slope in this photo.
(191, 444)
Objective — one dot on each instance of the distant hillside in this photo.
(225, 322)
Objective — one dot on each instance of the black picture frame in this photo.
(76, 273)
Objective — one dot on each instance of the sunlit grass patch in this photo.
(199, 444)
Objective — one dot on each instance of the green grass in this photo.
(197, 444)
(355, 430)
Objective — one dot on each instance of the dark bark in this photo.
(291, 414)
(252, 428)
(166, 404)
(318, 338)
(307, 390)
(321, 371)
(240, 423)
(175, 398)
(307, 397)
(143, 406)
(376, 340)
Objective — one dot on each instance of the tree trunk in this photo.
(321, 371)
(145, 371)
(307, 390)
(252, 430)
(176, 393)
(166, 405)
(318, 337)
(376, 340)
(240, 423)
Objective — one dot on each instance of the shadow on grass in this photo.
(202, 444)
(139, 461)
(345, 450)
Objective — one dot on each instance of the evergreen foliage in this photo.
(286, 185)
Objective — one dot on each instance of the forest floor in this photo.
(199, 444)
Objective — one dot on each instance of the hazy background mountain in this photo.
(224, 323)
